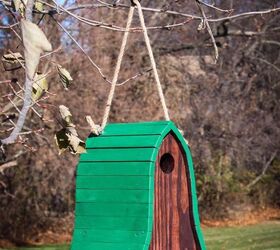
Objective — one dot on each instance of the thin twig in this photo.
(85, 53)
(9, 26)
(53, 11)
(205, 20)
(134, 77)
(212, 6)
(52, 52)
(256, 180)
(177, 13)
(7, 165)
(19, 96)
(267, 62)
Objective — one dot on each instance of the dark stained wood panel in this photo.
(173, 227)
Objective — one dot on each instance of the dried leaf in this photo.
(39, 6)
(19, 5)
(66, 140)
(66, 116)
(13, 57)
(76, 145)
(62, 140)
(65, 76)
(35, 42)
(16, 4)
(12, 61)
(40, 85)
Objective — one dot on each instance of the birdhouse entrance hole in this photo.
(167, 163)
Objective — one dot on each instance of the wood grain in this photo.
(173, 227)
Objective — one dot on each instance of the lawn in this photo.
(256, 237)
(262, 236)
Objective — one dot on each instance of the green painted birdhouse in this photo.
(135, 190)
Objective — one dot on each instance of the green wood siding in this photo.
(112, 195)
(121, 154)
(118, 236)
(111, 223)
(114, 182)
(112, 209)
(115, 168)
(115, 187)
(108, 246)
(123, 141)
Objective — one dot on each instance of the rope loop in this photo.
(120, 58)
(152, 58)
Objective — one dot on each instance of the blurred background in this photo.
(229, 111)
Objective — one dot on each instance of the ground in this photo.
(253, 237)
(259, 230)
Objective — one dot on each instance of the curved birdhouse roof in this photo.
(115, 186)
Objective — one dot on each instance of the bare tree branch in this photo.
(29, 10)
(7, 165)
(267, 62)
(212, 6)
(205, 22)
(28, 92)
(177, 13)
(255, 181)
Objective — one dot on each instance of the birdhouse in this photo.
(135, 189)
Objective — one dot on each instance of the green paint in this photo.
(111, 223)
(112, 236)
(121, 154)
(114, 168)
(112, 195)
(115, 187)
(124, 141)
(108, 246)
(113, 182)
(112, 209)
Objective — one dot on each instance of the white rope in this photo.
(151, 55)
(117, 69)
(119, 62)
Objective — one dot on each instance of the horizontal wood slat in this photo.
(118, 236)
(113, 182)
(113, 209)
(122, 141)
(113, 195)
(107, 246)
(115, 168)
(111, 223)
(134, 129)
(113, 155)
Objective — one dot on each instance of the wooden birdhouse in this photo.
(135, 190)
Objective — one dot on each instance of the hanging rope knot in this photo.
(95, 128)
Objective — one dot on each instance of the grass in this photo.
(264, 236)
(256, 237)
